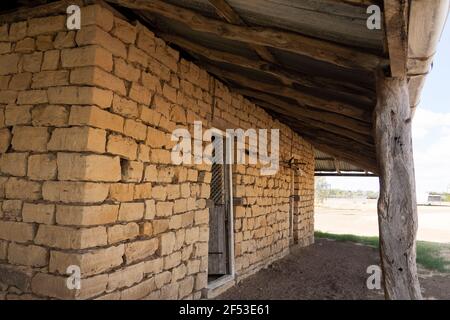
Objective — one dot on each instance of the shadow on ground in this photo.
(326, 270)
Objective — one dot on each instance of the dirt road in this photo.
(359, 217)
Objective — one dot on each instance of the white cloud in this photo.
(431, 138)
(425, 121)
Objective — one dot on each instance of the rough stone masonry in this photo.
(85, 170)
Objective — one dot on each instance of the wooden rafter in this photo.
(336, 165)
(342, 145)
(426, 22)
(329, 127)
(231, 16)
(24, 13)
(336, 139)
(286, 76)
(302, 98)
(296, 109)
(343, 153)
(225, 11)
(361, 3)
(342, 148)
(265, 36)
(396, 23)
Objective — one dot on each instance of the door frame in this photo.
(292, 203)
(229, 147)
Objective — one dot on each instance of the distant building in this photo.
(434, 198)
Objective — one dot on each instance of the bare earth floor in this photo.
(326, 270)
(359, 217)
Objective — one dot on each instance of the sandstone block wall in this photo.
(86, 177)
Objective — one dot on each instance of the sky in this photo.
(431, 131)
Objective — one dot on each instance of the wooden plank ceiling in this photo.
(310, 63)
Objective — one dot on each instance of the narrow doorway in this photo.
(220, 248)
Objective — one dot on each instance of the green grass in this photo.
(428, 254)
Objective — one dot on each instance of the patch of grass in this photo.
(370, 241)
(429, 254)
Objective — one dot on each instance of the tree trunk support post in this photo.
(397, 207)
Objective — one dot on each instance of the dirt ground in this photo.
(326, 270)
(359, 217)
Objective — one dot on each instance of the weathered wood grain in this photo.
(289, 41)
(345, 152)
(397, 208)
(286, 76)
(227, 12)
(24, 13)
(294, 109)
(316, 102)
(329, 127)
(396, 22)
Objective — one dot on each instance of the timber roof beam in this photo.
(302, 98)
(293, 42)
(287, 77)
(227, 13)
